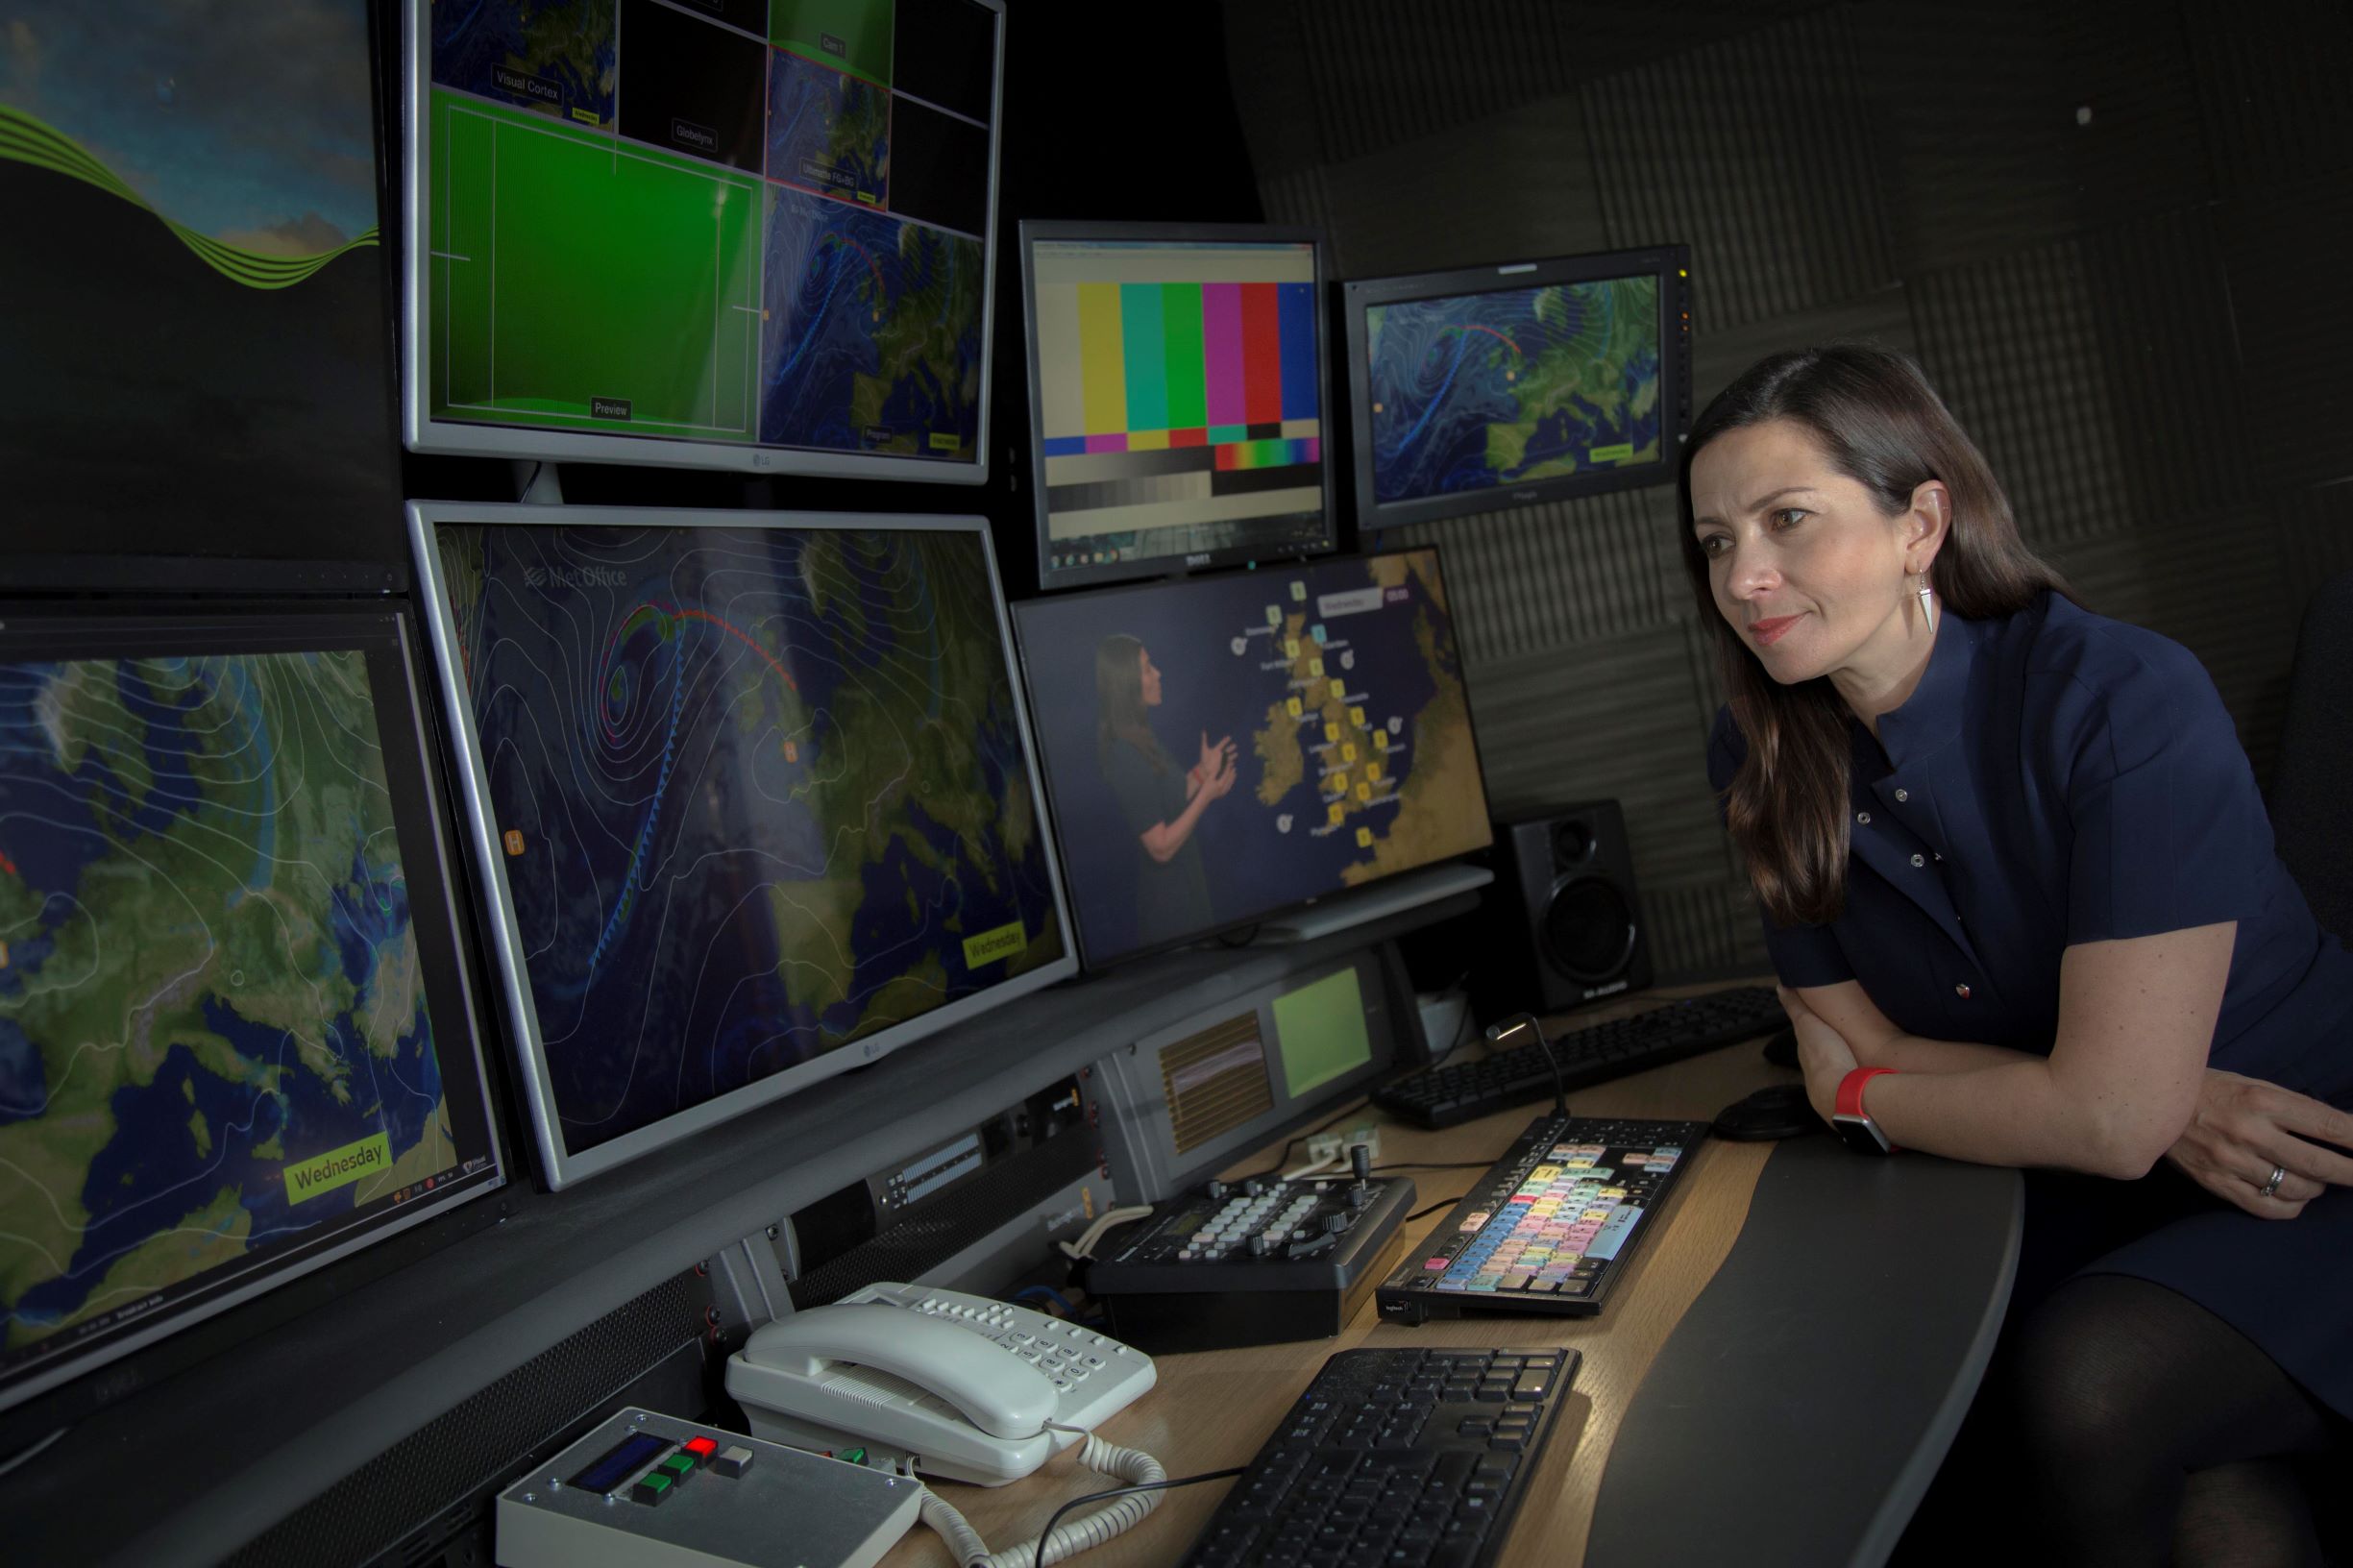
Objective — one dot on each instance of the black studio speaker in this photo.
(1562, 922)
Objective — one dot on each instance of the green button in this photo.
(680, 1464)
(854, 1455)
(652, 1488)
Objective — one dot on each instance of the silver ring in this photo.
(2270, 1188)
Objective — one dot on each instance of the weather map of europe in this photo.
(761, 793)
(558, 56)
(214, 1030)
(1476, 391)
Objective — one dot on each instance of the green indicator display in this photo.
(1320, 1031)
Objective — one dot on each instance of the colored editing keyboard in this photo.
(1394, 1457)
(1549, 1227)
(1443, 1096)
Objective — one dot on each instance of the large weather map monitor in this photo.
(1177, 394)
(235, 1035)
(1509, 385)
(752, 795)
(1224, 748)
(736, 233)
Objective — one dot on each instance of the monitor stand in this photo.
(537, 483)
(1387, 896)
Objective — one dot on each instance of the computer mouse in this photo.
(1781, 1047)
(1775, 1110)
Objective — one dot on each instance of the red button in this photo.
(702, 1448)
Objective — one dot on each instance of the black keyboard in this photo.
(1394, 1457)
(1442, 1097)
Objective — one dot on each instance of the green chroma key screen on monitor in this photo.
(759, 228)
(1321, 1031)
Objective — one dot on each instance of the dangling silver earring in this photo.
(1927, 603)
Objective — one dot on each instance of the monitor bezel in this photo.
(381, 633)
(1093, 963)
(1670, 264)
(422, 432)
(564, 1166)
(1052, 578)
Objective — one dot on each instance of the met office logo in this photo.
(572, 576)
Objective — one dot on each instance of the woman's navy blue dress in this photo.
(2056, 778)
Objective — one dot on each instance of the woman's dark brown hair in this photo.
(1119, 707)
(1881, 425)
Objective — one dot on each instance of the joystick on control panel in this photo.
(1252, 1263)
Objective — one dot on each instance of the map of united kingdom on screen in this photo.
(758, 793)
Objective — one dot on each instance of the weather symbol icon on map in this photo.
(1397, 727)
(1241, 646)
(1348, 660)
(1283, 823)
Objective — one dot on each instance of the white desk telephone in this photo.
(933, 1380)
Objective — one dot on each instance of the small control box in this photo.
(650, 1491)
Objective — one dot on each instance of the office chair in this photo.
(2316, 759)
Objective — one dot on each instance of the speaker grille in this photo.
(1215, 1081)
(447, 1459)
(1588, 929)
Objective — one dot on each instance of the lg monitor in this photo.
(750, 797)
(1178, 398)
(236, 1038)
(1219, 750)
(743, 234)
(1501, 386)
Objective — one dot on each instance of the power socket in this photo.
(1334, 1146)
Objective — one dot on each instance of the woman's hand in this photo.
(2244, 1128)
(1823, 1052)
(1218, 778)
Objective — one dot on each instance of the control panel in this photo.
(1250, 1262)
(646, 1490)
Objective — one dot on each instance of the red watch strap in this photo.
(1851, 1090)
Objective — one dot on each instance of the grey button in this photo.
(1863, 817)
(1919, 860)
(1903, 794)
(1961, 990)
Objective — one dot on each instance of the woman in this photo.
(2021, 895)
(1160, 808)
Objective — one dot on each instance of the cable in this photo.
(31, 1449)
(1057, 1297)
(1423, 1214)
(1531, 1023)
(1437, 1164)
(1052, 1544)
(1084, 1246)
(1276, 1169)
(1145, 1487)
(1308, 1169)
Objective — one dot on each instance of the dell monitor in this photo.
(1177, 398)
(1501, 386)
(1219, 750)
(750, 797)
(752, 235)
(236, 1038)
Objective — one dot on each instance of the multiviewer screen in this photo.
(1179, 393)
(734, 221)
(1221, 747)
(755, 796)
(1509, 386)
(233, 1039)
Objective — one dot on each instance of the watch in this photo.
(1850, 1121)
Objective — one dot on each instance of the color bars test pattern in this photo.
(1175, 379)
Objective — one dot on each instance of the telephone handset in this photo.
(936, 1380)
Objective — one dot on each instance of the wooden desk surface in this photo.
(1213, 1409)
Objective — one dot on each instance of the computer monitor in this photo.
(750, 795)
(197, 348)
(1330, 692)
(236, 1038)
(1177, 397)
(738, 233)
(1499, 386)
